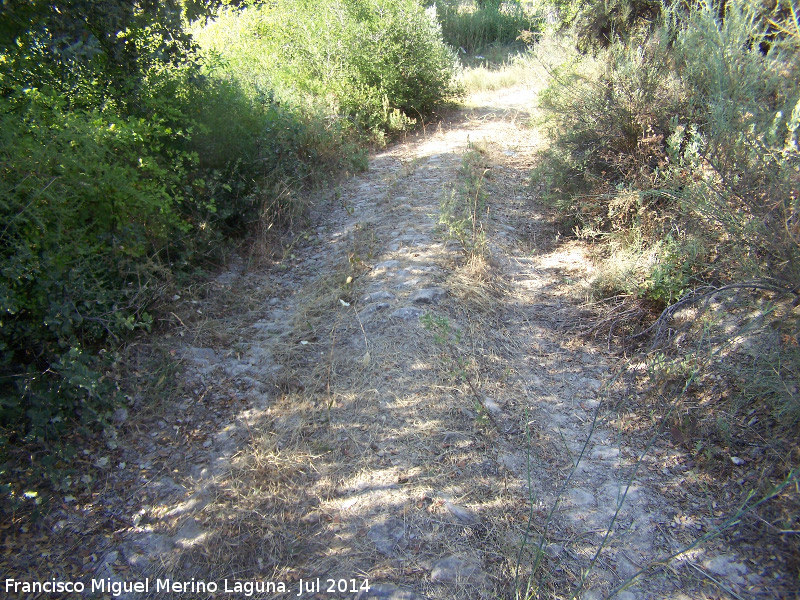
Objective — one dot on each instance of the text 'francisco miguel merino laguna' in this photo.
(242, 588)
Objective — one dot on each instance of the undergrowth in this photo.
(687, 155)
(675, 150)
(131, 163)
(472, 27)
(375, 67)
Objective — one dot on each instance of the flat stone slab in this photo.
(581, 498)
(385, 266)
(460, 513)
(459, 569)
(428, 295)
(407, 313)
(202, 357)
(376, 296)
(727, 567)
(190, 534)
(492, 406)
(387, 535)
(373, 308)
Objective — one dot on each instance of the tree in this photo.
(92, 52)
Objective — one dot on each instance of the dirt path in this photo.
(382, 411)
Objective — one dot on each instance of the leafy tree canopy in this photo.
(90, 51)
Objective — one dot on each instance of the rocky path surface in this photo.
(383, 410)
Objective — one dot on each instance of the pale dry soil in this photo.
(375, 408)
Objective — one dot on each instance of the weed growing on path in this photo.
(461, 211)
(462, 216)
(458, 365)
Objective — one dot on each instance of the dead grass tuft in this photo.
(258, 517)
(478, 284)
(616, 320)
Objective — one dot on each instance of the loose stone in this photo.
(428, 295)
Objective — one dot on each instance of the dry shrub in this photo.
(679, 150)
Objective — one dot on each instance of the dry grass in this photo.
(719, 377)
(530, 67)
(324, 317)
(259, 518)
(318, 478)
(482, 78)
(477, 284)
(370, 425)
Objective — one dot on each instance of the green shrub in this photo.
(472, 28)
(367, 60)
(700, 124)
(684, 163)
(612, 113)
(404, 65)
(103, 200)
(248, 148)
(600, 23)
(89, 198)
(674, 271)
(609, 116)
(735, 154)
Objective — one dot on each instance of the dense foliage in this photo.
(94, 158)
(471, 28)
(127, 151)
(377, 62)
(687, 134)
(677, 147)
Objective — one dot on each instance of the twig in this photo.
(771, 526)
(718, 583)
(621, 501)
(475, 392)
(559, 495)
